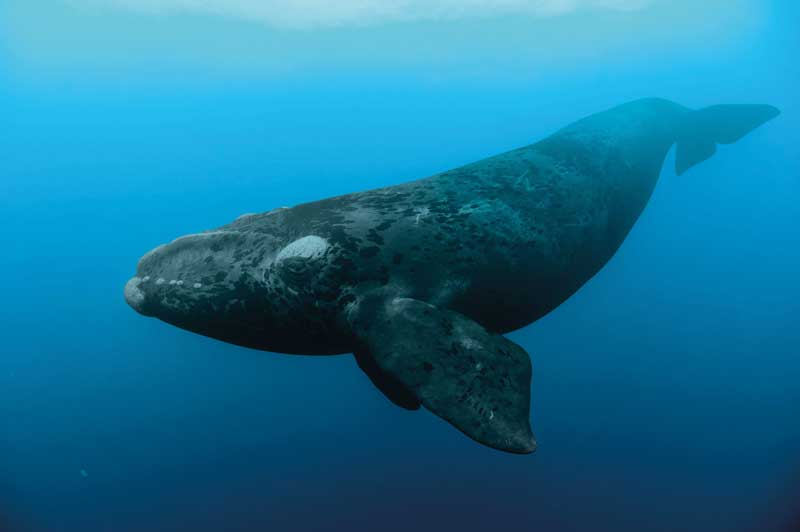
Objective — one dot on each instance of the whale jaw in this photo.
(134, 296)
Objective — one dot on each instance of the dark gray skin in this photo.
(419, 280)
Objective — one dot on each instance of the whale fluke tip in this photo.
(718, 124)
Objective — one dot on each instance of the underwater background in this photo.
(665, 392)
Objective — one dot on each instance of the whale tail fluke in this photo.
(718, 124)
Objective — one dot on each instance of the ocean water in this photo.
(665, 392)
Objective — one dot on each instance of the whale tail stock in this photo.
(703, 129)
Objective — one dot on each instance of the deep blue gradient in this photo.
(665, 393)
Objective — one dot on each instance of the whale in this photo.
(420, 281)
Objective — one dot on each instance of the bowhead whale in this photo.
(420, 280)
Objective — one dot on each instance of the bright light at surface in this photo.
(475, 41)
(324, 13)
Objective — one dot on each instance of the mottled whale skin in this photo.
(420, 280)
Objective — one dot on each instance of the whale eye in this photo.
(297, 272)
(295, 266)
(299, 262)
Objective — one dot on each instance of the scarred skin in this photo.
(503, 241)
(500, 242)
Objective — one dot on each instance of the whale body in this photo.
(420, 280)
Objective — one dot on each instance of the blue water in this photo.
(665, 392)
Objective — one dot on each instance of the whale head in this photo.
(247, 289)
(205, 283)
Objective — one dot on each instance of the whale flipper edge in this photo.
(476, 380)
(388, 384)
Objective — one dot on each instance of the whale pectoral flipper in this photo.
(387, 383)
(477, 381)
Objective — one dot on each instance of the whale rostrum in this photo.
(420, 280)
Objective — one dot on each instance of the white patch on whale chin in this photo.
(133, 295)
(308, 247)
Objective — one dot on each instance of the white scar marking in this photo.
(197, 285)
(469, 343)
(133, 295)
(179, 283)
(421, 213)
(160, 280)
(173, 282)
(308, 247)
